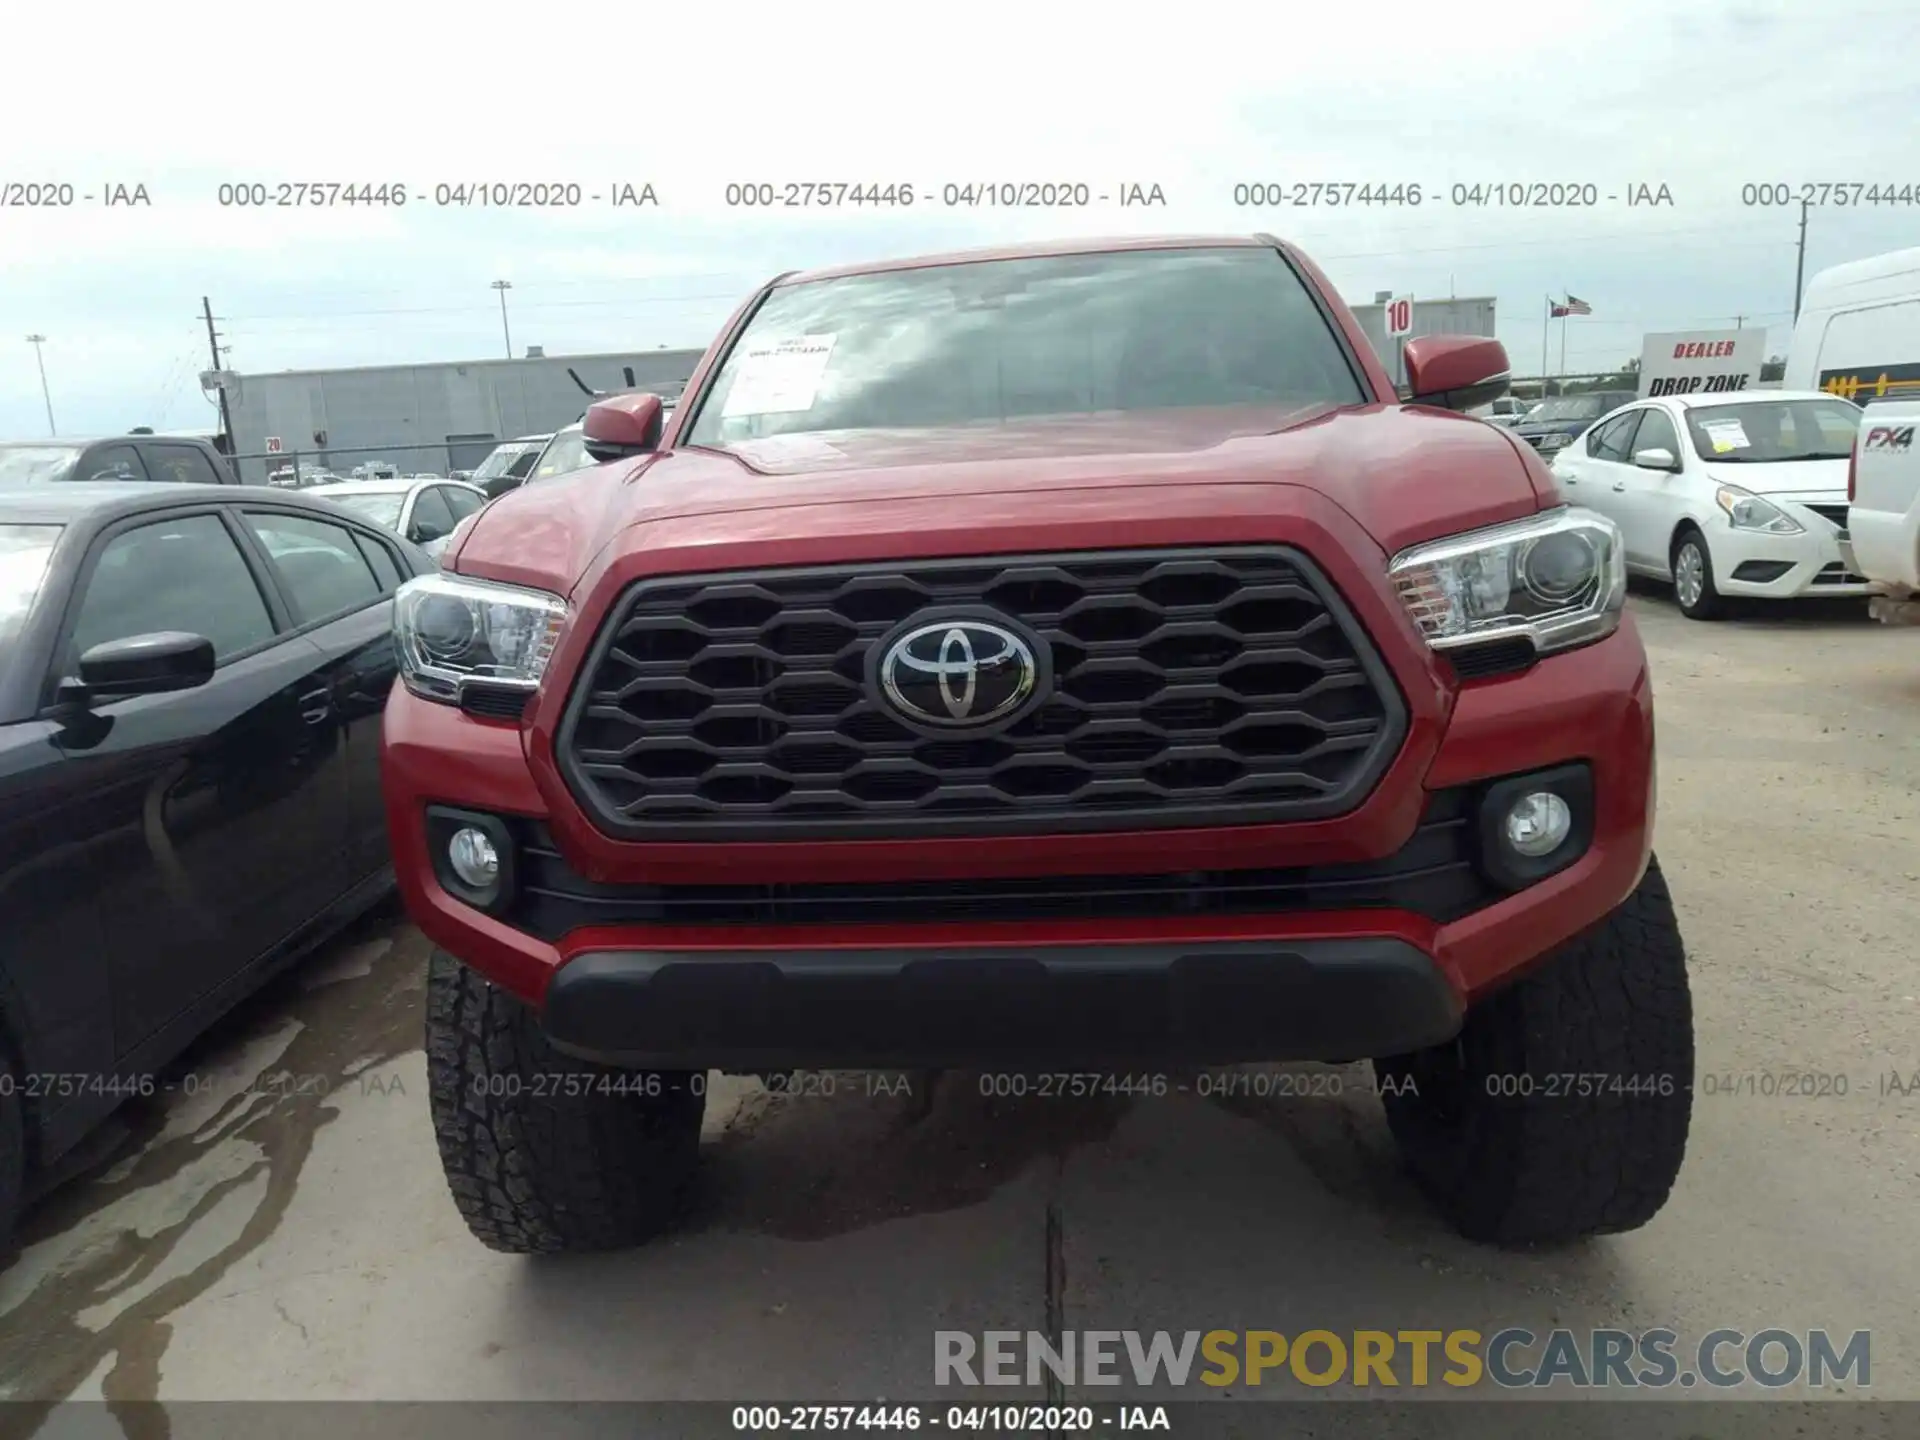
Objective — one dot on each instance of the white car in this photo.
(1737, 494)
(422, 511)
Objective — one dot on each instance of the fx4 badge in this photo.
(1889, 437)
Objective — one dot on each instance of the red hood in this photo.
(1404, 473)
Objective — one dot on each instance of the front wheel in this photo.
(1693, 583)
(542, 1152)
(1561, 1110)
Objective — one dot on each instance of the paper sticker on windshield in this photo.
(1725, 435)
(780, 377)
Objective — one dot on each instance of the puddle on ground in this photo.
(201, 1179)
(810, 1164)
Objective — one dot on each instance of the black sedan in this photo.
(191, 685)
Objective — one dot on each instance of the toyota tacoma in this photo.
(1072, 657)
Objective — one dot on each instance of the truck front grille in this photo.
(1187, 687)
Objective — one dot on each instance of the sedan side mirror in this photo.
(425, 532)
(153, 664)
(1656, 457)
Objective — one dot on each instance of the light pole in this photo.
(45, 394)
(503, 286)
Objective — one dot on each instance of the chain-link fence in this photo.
(297, 469)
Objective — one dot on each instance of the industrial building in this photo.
(430, 419)
(425, 419)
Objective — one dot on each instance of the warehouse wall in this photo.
(459, 412)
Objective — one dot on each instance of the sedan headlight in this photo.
(450, 630)
(1558, 579)
(1748, 511)
(1555, 442)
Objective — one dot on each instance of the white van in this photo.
(1858, 337)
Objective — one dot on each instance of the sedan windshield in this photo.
(1574, 407)
(30, 464)
(499, 461)
(1763, 432)
(379, 506)
(988, 342)
(24, 552)
(565, 453)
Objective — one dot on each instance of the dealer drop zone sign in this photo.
(1701, 362)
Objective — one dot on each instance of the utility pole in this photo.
(213, 343)
(503, 286)
(1800, 263)
(1739, 322)
(45, 394)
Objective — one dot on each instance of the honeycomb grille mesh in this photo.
(1215, 687)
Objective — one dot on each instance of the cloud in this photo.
(1703, 99)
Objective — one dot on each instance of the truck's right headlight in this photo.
(1558, 578)
(450, 629)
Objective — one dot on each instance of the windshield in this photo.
(498, 461)
(1574, 407)
(29, 464)
(382, 508)
(24, 552)
(567, 453)
(994, 341)
(1769, 432)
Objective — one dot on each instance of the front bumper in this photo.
(1327, 979)
(1754, 564)
(1076, 1005)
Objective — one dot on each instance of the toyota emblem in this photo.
(958, 672)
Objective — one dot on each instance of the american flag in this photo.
(1572, 305)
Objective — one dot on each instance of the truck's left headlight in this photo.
(1558, 579)
(450, 630)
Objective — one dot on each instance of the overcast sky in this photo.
(1701, 98)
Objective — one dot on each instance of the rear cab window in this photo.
(181, 464)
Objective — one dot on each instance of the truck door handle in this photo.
(1620, 485)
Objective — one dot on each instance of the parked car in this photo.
(567, 451)
(114, 457)
(425, 511)
(509, 464)
(1504, 412)
(1554, 424)
(375, 470)
(191, 686)
(1173, 697)
(1740, 494)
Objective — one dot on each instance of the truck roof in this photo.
(1033, 249)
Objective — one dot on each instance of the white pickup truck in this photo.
(1883, 509)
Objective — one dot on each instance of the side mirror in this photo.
(623, 426)
(153, 664)
(1456, 372)
(1656, 457)
(425, 532)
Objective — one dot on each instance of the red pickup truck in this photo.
(1066, 658)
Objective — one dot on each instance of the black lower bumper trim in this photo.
(1199, 1004)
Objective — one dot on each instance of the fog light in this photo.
(1537, 825)
(475, 860)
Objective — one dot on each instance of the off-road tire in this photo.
(1711, 605)
(540, 1158)
(1561, 1111)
